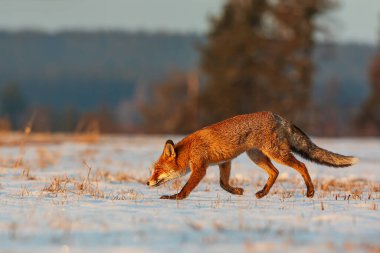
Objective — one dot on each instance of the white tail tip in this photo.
(354, 160)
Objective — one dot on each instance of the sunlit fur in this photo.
(165, 169)
(264, 136)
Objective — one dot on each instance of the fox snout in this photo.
(151, 183)
(155, 182)
(157, 178)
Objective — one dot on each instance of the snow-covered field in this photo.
(68, 196)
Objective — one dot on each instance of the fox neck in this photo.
(183, 159)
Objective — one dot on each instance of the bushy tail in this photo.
(301, 144)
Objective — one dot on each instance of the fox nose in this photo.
(147, 183)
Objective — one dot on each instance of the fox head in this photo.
(166, 168)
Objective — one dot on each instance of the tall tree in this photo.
(368, 122)
(258, 57)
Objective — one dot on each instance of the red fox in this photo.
(263, 136)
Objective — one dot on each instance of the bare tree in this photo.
(173, 107)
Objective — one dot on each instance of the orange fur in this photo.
(262, 135)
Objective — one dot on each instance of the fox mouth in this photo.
(163, 180)
(159, 182)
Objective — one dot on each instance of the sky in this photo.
(353, 21)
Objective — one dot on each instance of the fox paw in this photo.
(237, 191)
(175, 196)
(260, 194)
(310, 193)
(167, 197)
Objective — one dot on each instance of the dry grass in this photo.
(25, 173)
(89, 185)
(28, 137)
(24, 192)
(93, 183)
(130, 194)
(57, 185)
(27, 131)
(64, 185)
(108, 176)
(340, 189)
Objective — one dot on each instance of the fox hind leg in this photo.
(263, 162)
(288, 159)
(225, 171)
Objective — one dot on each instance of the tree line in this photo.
(258, 55)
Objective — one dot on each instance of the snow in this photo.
(112, 210)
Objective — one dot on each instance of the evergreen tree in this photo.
(258, 57)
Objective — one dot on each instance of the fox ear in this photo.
(169, 149)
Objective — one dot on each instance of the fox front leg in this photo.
(225, 171)
(194, 179)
